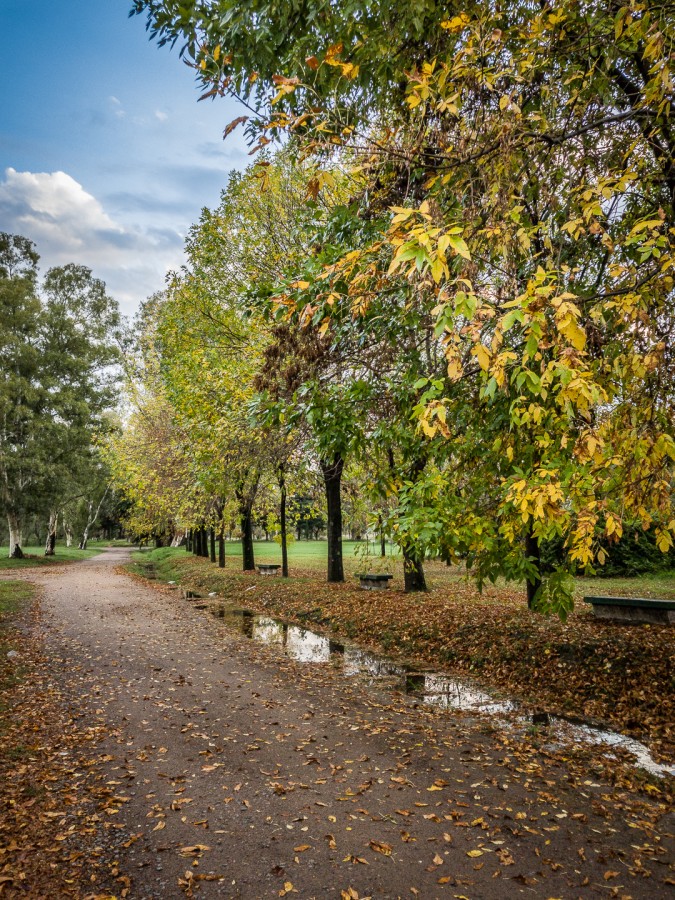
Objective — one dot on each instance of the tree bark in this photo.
(50, 543)
(282, 522)
(332, 476)
(212, 539)
(188, 542)
(246, 524)
(533, 552)
(68, 531)
(383, 543)
(221, 545)
(92, 517)
(15, 536)
(413, 571)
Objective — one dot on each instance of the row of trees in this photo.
(60, 350)
(457, 278)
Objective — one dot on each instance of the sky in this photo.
(106, 157)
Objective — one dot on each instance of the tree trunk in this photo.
(212, 539)
(221, 545)
(533, 552)
(188, 542)
(383, 543)
(68, 531)
(85, 534)
(205, 542)
(283, 525)
(15, 536)
(246, 524)
(332, 476)
(413, 571)
(50, 543)
(92, 517)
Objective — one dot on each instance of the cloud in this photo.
(117, 107)
(68, 224)
(161, 116)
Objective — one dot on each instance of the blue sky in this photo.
(106, 157)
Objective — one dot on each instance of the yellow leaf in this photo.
(574, 334)
(456, 23)
(482, 356)
(474, 853)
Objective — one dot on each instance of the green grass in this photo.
(303, 555)
(660, 585)
(36, 556)
(308, 558)
(13, 596)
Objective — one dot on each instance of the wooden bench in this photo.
(268, 569)
(633, 609)
(374, 581)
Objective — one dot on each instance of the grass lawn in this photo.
(13, 596)
(308, 558)
(612, 673)
(35, 556)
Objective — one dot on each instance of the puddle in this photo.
(443, 691)
(454, 693)
(361, 662)
(589, 735)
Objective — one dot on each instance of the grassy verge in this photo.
(611, 673)
(35, 556)
(14, 596)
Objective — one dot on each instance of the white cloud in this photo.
(161, 116)
(117, 107)
(68, 224)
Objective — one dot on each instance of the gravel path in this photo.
(239, 773)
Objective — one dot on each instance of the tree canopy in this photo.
(492, 290)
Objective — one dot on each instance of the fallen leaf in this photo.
(379, 847)
(193, 849)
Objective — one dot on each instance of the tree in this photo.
(59, 350)
(521, 161)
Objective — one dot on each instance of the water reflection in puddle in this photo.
(442, 691)
(453, 693)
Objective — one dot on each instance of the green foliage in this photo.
(59, 346)
(493, 306)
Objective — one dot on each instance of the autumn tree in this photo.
(529, 154)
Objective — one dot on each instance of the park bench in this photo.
(374, 581)
(633, 609)
(268, 568)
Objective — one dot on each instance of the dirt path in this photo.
(235, 772)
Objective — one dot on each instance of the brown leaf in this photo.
(379, 847)
(193, 849)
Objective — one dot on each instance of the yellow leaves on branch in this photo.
(543, 501)
(422, 244)
(434, 419)
(567, 321)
